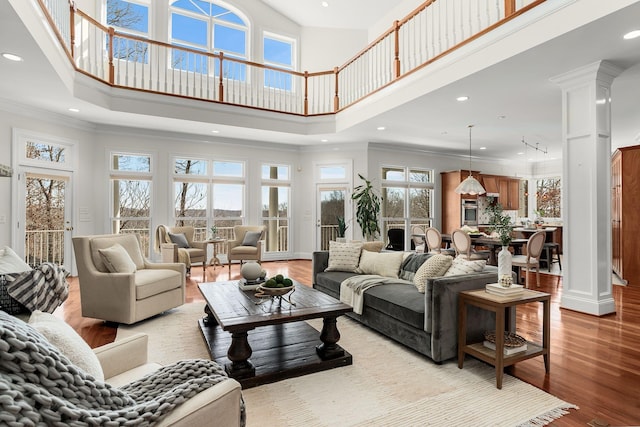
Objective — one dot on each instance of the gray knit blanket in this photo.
(40, 386)
(44, 288)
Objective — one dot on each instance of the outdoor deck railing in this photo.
(431, 31)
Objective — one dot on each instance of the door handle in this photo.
(68, 228)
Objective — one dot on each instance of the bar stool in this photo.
(548, 250)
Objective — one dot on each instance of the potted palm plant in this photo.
(367, 209)
(342, 228)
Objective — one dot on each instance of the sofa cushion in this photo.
(117, 259)
(179, 239)
(344, 256)
(150, 282)
(435, 266)
(329, 281)
(62, 336)
(402, 302)
(411, 264)
(386, 264)
(244, 250)
(464, 266)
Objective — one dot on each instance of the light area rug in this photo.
(387, 385)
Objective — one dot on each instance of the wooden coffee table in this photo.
(281, 344)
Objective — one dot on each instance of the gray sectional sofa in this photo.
(425, 322)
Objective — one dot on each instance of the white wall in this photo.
(327, 48)
(625, 114)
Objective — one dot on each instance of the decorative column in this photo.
(586, 187)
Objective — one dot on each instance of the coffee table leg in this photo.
(210, 319)
(239, 353)
(329, 337)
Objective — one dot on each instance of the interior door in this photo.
(45, 224)
(331, 204)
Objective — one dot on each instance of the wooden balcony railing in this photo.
(435, 29)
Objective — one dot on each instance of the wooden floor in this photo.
(595, 361)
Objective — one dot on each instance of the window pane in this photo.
(131, 163)
(189, 29)
(231, 169)
(333, 172)
(189, 61)
(228, 200)
(548, 197)
(275, 172)
(416, 175)
(131, 50)
(133, 198)
(275, 202)
(393, 202)
(197, 6)
(229, 39)
(277, 235)
(277, 79)
(420, 202)
(190, 167)
(45, 152)
(393, 174)
(132, 16)
(190, 199)
(277, 52)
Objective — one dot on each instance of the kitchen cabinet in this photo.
(509, 193)
(625, 213)
(451, 201)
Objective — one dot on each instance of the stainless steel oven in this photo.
(469, 212)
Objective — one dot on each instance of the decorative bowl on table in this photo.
(475, 234)
(275, 286)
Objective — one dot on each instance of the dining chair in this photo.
(462, 244)
(531, 260)
(395, 238)
(418, 238)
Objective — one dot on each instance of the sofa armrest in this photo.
(232, 244)
(220, 403)
(123, 355)
(168, 252)
(198, 245)
(320, 261)
(176, 266)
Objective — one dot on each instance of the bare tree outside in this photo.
(548, 197)
(123, 16)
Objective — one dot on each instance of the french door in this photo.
(331, 204)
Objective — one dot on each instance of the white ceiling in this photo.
(517, 88)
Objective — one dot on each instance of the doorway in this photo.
(331, 206)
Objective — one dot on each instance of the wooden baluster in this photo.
(509, 7)
(72, 29)
(111, 66)
(306, 93)
(396, 61)
(336, 98)
(221, 86)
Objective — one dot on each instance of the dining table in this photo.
(492, 243)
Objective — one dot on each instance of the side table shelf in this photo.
(501, 306)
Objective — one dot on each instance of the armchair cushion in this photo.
(150, 282)
(61, 335)
(179, 239)
(251, 238)
(117, 260)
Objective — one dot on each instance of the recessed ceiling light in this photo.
(12, 57)
(215, 131)
(520, 153)
(631, 35)
(483, 148)
(381, 128)
(601, 101)
(74, 110)
(462, 98)
(502, 117)
(324, 140)
(324, 4)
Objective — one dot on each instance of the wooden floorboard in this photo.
(595, 361)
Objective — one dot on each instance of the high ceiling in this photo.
(509, 101)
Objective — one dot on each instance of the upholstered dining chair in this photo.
(247, 244)
(434, 242)
(462, 244)
(177, 244)
(418, 238)
(535, 244)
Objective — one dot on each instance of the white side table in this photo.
(214, 256)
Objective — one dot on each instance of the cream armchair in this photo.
(249, 249)
(125, 288)
(172, 252)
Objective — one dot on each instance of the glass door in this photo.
(331, 208)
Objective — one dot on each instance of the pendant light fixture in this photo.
(470, 185)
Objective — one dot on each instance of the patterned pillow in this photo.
(435, 266)
(386, 264)
(344, 256)
(464, 266)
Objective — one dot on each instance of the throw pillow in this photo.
(411, 264)
(61, 335)
(435, 266)
(344, 256)
(117, 259)
(464, 266)
(386, 264)
(179, 239)
(251, 238)
(10, 262)
(375, 246)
